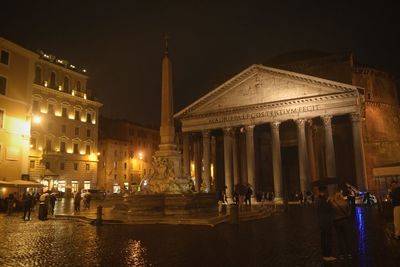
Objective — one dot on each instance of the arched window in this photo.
(53, 80)
(38, 75)
(78, 86)
(66, 84)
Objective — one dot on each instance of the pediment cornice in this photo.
(254, 70)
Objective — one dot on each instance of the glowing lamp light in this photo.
(72, 66)
(82, 152)
(140, 155)
(40, 148)
(144, 182)
(98, 153)
(84, 70)
(45, 83)
(73, 92)
(57, 113)
(84, 96)
(69, 151)
(37, 119)
(59, 88)
(92, 157)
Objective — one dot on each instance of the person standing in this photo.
(249, 192)
(395, 197)
(341, 214)
(11, 204)
(324, 210)
(77, 202)
(28, 203)
(52, 201)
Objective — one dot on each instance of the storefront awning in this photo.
(20, 183)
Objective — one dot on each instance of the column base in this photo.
(278, 200)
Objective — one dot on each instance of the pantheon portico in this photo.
(267, 99)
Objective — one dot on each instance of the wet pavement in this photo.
(283, 239)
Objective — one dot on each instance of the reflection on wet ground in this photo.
(285, 239)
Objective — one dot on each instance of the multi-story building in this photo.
(16, 76)
(126, 151)
(64, 127)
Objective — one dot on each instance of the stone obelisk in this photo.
(166, 173)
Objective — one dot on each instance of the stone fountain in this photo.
(164, 190)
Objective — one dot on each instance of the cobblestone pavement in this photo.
(284, 239)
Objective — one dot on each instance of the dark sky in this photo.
(120, 43)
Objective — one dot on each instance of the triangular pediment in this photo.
(259, 85)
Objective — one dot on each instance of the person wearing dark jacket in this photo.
(395, 197)
(325, 217)
(28, 203)
(341, 215)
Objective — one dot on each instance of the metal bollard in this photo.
(99, 219)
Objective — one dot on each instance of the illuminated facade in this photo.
(15, 103)
(126, 151)
(285, 130)
(63, 145)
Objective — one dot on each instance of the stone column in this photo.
(311, 153)
(359, 156)
(235, 155)
(251, 175)
(276, 161)
(197, 164)
(303, 156)
(329, 148)
(186, 154)
(228, 163)
(206, 161)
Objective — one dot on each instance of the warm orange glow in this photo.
(140, 155)
(37, 119)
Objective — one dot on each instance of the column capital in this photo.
(206, 133)
(228, 131)
(355, 117)
(327, 120)
(249, 127)
(301, 122)
(275, 125)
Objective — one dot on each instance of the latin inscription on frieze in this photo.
(264, 114)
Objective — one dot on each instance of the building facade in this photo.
(126, 151)
(63, 146)
(16, 76)
(258, 128)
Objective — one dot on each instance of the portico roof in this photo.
(261, 93)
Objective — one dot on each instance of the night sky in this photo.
(121, 43)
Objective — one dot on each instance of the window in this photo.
(75, 166)
(63, 128)
(88, 133)
(77, 115)
(74, 186)
(62, 166)
(4, 57)
(115, 165)
(86, 185)
(38, 75)
(33, 142)
(32, 164)
(87, 149)
(3, 85)
(1, 118)
(66, 84)
(88, 117)
(125, 165)
(115, 153)
(76, 130)
(62, 147)
(35, 106)
(47, 165)
(64, 112)
(78, 86)
(50, 109)
(53, 80)
(76, 149)
(48, 145)
(87, 166)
